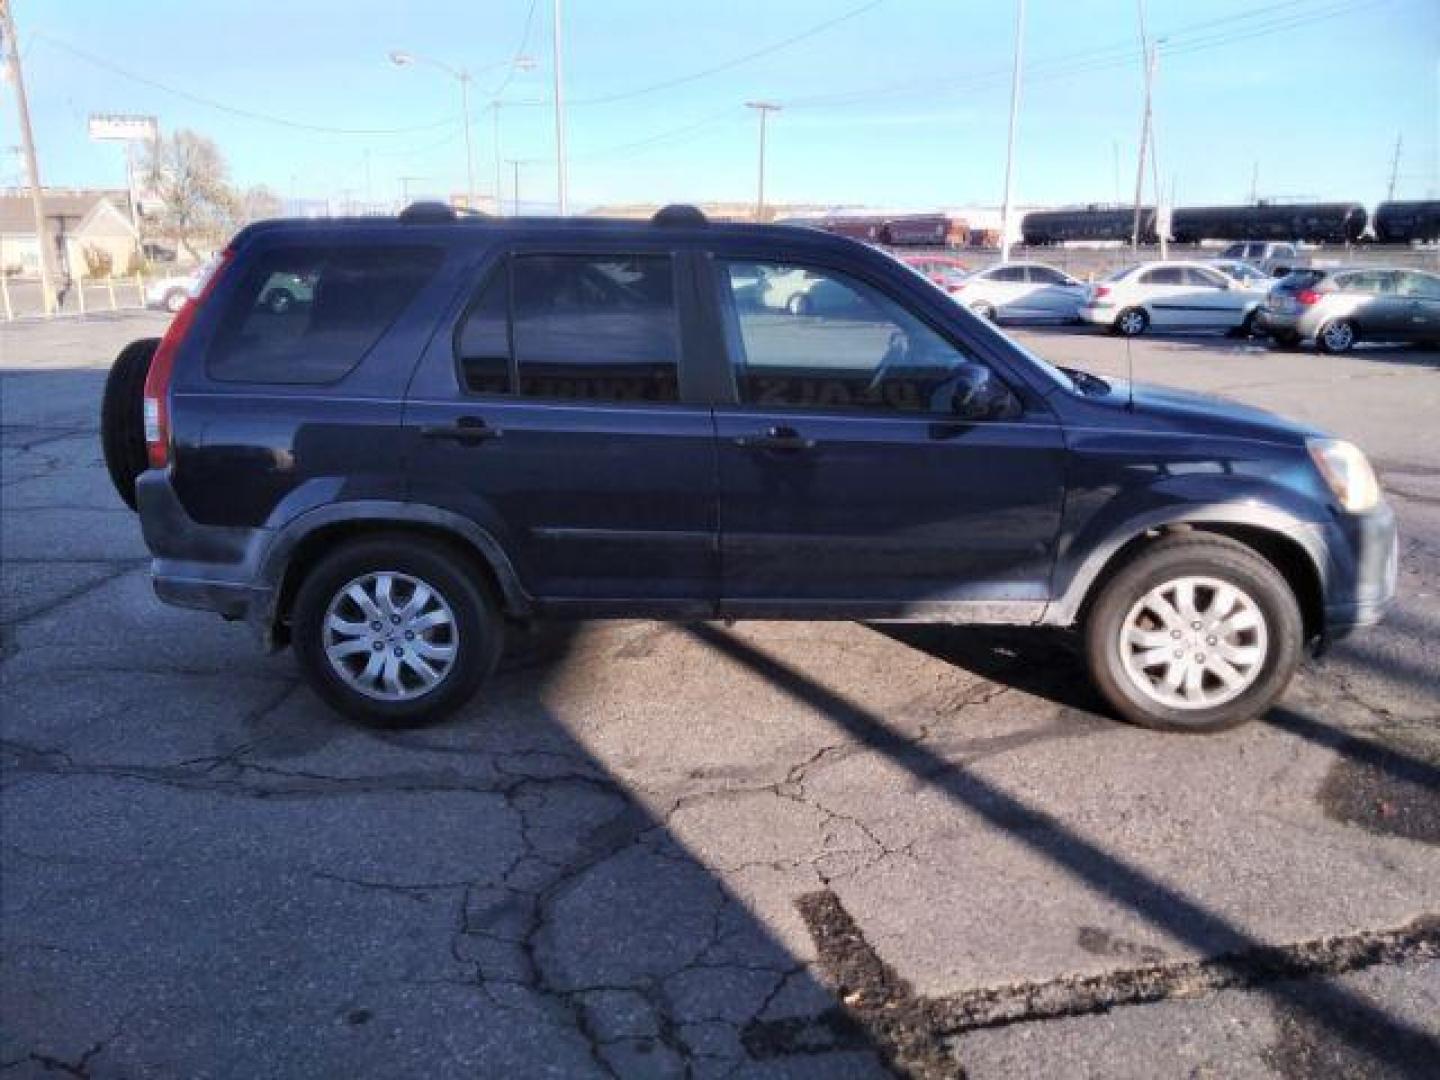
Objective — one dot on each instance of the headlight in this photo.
(1346, 472)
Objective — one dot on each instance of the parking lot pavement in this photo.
(762, 849)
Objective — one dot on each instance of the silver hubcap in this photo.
(1132, 322)
(390, 636)
(1194, 643)
(1339, 335)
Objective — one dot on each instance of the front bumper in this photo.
(1361, 571)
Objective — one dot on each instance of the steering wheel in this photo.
(897, 351)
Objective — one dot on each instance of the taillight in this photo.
(162, 367)
(1306, 297)
(1101, 291)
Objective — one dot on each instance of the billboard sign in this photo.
(119, 127)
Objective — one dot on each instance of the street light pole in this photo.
(558, 56)
(32, 166)
(1149, 53)
(464, 78)
(762, 107)
(1014, 118)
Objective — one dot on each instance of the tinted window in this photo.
(1043, 275)
(309, 315)
(1301, 279)
(1007, 273)
(589, 328)
(804, 338)
(1163, 275)
(1421, 286)
(483, 343)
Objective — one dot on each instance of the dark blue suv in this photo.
(461, 424)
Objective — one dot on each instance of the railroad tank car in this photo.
(1041, 228)
(1315, 223)
(1407, 222)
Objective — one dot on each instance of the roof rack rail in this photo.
(434, 210)
(679, 214)
(427, 210)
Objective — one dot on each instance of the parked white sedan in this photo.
(1171, 296)
(1018, 291)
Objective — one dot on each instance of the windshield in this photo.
(1300, 279)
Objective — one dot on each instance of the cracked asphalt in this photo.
(770, 849)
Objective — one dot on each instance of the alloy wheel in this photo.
(390, 636)
(1194, 643)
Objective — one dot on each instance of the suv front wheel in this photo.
(1198, 634)
(394, 629)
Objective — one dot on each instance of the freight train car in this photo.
(1041, 228)
(925, 230)
(1407, 222)
(1315, 223)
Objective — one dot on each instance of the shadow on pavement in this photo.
(1365, 1028)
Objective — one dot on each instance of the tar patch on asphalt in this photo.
(1388, 783)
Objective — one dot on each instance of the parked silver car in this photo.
(1336, 308)
(1020, 291)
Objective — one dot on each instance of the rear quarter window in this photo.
(308, 315)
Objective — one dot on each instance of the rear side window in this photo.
(309, 315)
(1008, 273)
(574, 327)
(1164, 275)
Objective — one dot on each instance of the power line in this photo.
(233, 110)
(766, 50)
(519, 51)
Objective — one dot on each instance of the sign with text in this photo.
(118, 127)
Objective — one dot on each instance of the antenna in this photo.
(1129, 377)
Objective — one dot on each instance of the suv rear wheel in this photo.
(1197, 634)
(395, 629)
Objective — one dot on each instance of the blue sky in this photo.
(903, 103)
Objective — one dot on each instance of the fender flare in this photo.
(1065, 608)
(381, 512)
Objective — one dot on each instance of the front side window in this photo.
(1195, 275)
(1008, 273)
(309, 315)
(1044, 275)
(819, 339)
(574, 327)
(1419, 285)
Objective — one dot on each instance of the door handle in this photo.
(776, 438)
(467, 431)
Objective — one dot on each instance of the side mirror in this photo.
(977, 394)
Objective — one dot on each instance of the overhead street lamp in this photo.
(401, 58)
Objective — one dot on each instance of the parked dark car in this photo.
(473, 423)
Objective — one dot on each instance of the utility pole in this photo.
(1255, 183)
(1149, 53)
(558, 57)
(27, 144)
(515, 187)
(1162, 217)
(495, 141)
(1394, 169)
(763, 108)
(1010, 144)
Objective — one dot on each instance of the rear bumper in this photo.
(205, 567)
(1097, 314)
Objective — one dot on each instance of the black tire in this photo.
(1201, 555)
(1337, 336)
(479, 627)
(279, 301)
(984, 311)
(1132, 322)
(175, 300)
(1286, 339)
(122, 417)
(1246, 329)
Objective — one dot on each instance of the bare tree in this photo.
(256, 204)
(188, 176)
